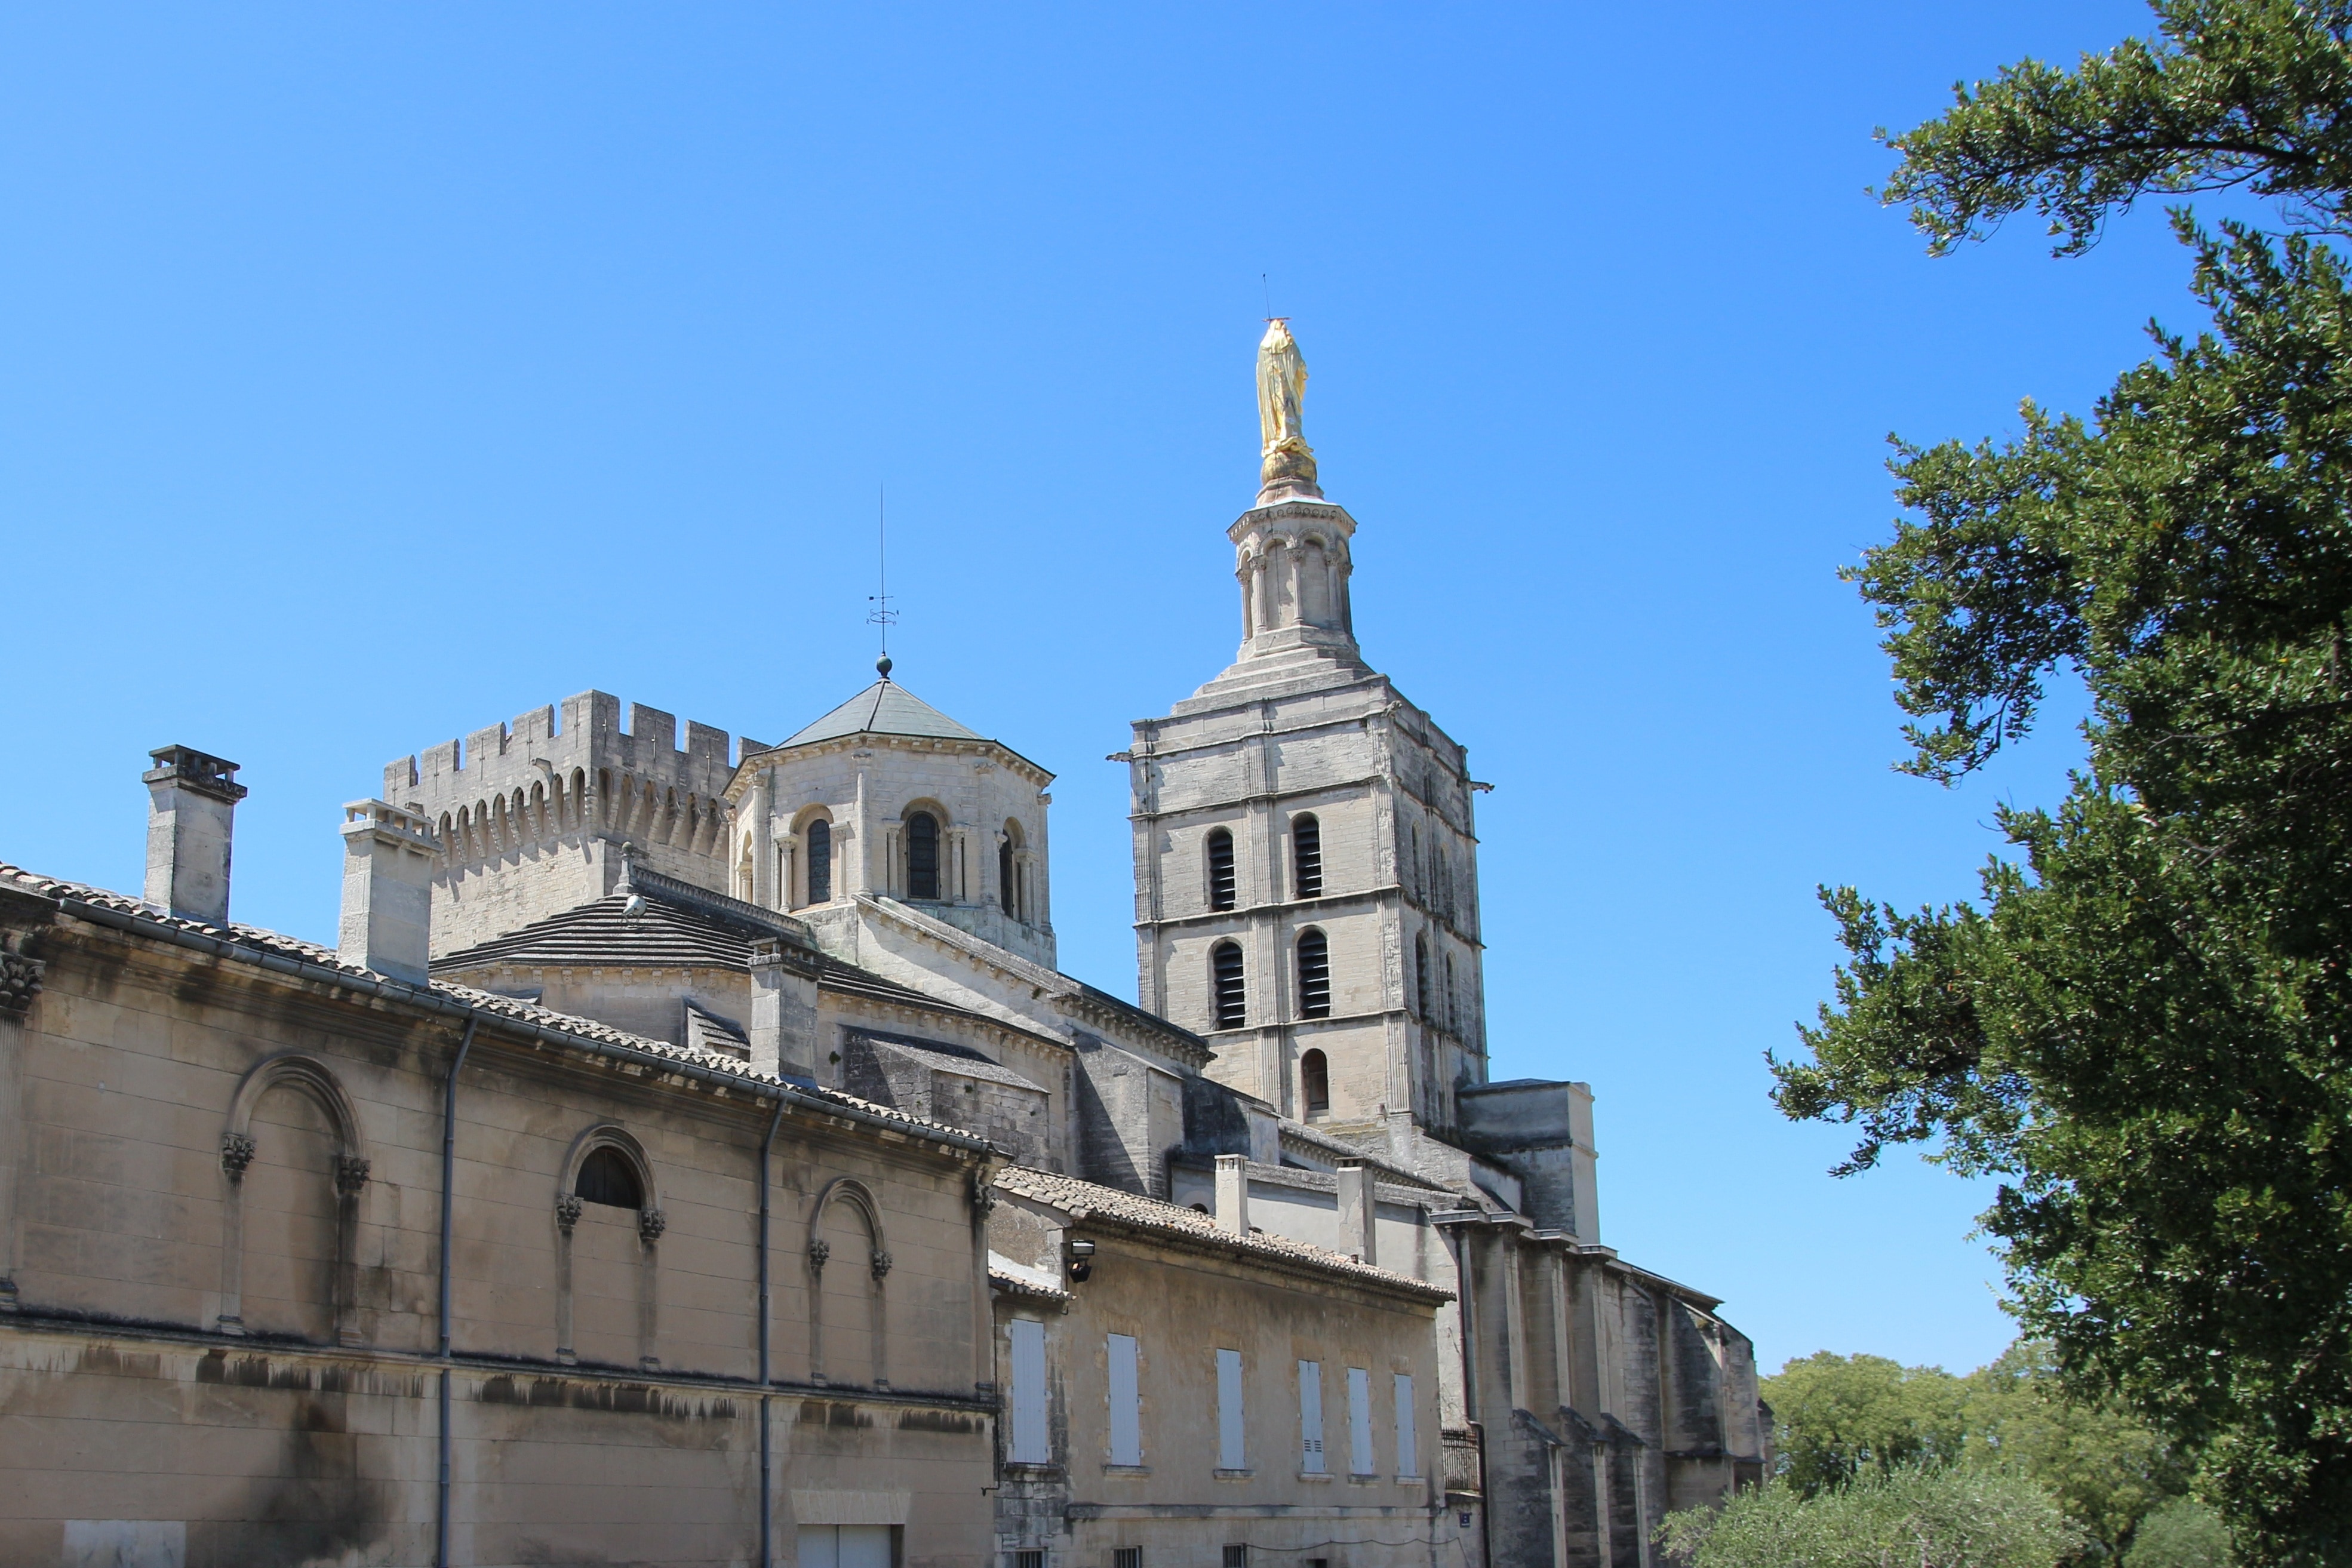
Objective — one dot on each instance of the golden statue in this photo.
(1287, 462)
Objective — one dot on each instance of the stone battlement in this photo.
(526, 813)
(504, 757)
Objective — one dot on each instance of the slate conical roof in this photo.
(885, 708)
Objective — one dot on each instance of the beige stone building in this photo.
(695, 1155)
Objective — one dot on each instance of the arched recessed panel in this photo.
(290, 1219)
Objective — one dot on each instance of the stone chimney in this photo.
(1233, 1193)
(192, 806)
(1357, 1234)
(387, 890)
(784, 1013)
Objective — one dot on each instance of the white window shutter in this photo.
(1408, 1449)
(1031, 1445)
(1310, 1416)
(1231, 1455)
(1126, 1412)
(1359, 1421)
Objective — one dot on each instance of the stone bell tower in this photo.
(1306, 859)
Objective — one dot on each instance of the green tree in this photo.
(2146, 1027)
(2103, 1466)
(1935, 1516)
(1836, 1417)
(2183, 1533)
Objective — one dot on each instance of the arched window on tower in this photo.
(1225, 981)
(1452, 998)
(819, 839)
(1313, 974)
(1315, 1081)
(1008, 876)
(1306, 856)
(1421, 978)
(1221, 869)
(922, 855)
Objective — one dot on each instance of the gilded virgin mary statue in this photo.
(1286, 463)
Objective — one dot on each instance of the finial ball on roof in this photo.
(882, 667)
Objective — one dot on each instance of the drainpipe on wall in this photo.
(767, 1475)
(448, 1215)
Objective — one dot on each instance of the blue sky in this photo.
(375, 374)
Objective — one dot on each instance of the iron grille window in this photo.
(1225, 968)
(1127, 1557)
(820, 862)
(1236, 1557)
(1306, 856)
(1028, 1559)
(922, 855)
(1314, 975)
(1220, 870)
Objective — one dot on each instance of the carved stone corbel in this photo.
(20, 973)
(651, 1223)
(236, 1153)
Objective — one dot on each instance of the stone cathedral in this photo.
(793, 1205)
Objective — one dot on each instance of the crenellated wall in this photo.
(530, 814)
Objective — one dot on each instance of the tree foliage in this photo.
(2145, 1028)
(1836, 1418)
(1839, 1418)
(2232, 93)
(2183, 1533)
(1929, 1515)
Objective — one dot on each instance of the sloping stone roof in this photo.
(885, 708)
(1086, 1201)
(258, 942)
(602, 935)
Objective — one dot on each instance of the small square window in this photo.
(1028, 1559)
(1127, 1557)
(1236, 1557)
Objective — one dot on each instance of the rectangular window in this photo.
(1030, 1444)
(846, 1546)
(1237, 1557)
(1032, 1559)
(1360, 1422)
(1127, 1557)
(1408, 1450)
(1311, 1417)
(1126, 1412)
(1231, 1455)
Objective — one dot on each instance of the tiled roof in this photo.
(885, 708)
(1084, 1201)
(258, 941)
